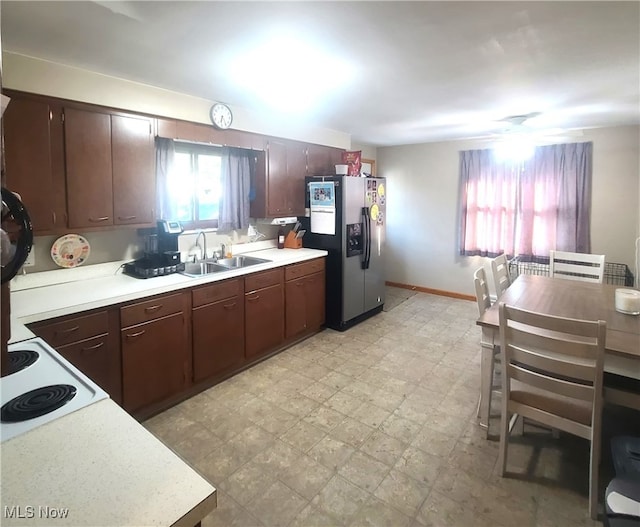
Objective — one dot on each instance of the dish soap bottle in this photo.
(280, 237)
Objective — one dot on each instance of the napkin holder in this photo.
(291, 242)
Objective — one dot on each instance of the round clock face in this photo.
(221, 115)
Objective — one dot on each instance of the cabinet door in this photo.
(296, 172)
(34, 160)
(315, 300)
(97, 358)
(89, 169)
(295, 306)
(277, 189)
(154, 361)
(134, 190)
(264, 315)
(320, 161)
(218, 337)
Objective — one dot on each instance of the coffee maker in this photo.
(161, 252)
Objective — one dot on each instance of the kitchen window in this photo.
(193, 185)
(526, 208)
(188, 182)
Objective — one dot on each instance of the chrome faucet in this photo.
(203, 248)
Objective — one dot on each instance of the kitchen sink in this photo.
(241, 261)
(202, 268)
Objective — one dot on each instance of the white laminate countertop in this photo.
(105, 469)
(42, 303)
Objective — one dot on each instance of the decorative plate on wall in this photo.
(70, 250)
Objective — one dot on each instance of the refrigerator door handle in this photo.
(367, 235)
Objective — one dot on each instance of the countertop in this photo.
(50, 301)
(105, 469)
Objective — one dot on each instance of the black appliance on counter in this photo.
(162, 256)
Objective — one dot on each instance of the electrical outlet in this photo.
(31, 259)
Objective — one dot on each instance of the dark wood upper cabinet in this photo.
(322, 160)
(89, 168)
(276, 188)
(134, 182)
(34, 158)
(296, 172)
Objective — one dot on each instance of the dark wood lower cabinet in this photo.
(154, 361)
(91, 343)
(264, 327)
(153, 352)
(218, 338)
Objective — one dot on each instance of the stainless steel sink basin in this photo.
(202, 268)
(241, 261)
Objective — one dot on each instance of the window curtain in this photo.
(526, 208)
(165, 152)
(235, 181)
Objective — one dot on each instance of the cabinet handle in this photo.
(230, 306)
(65, 331)
(133, 335)
(53, 216)
(126, 218)
(253, 298)
(98, 220)
(299, 284)
(91, 348)
(151, 309)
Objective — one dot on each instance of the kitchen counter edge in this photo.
(43, 303)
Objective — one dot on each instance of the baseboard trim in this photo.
(439, 292)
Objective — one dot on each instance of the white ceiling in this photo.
(421, 71)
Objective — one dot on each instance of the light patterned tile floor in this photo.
(375, 426)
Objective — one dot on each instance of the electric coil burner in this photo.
(21, 359)
(41, 386)
(37, 402)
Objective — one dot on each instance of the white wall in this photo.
(422, 209)
(49, 78)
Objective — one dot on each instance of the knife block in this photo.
(291, 242)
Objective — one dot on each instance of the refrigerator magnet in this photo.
(374, 212)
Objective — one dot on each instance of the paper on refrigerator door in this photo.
(322, 199)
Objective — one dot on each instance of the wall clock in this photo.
(221, 116)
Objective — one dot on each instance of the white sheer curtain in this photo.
(526, 208)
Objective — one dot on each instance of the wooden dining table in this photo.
(572, 299)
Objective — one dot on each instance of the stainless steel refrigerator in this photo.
(346, 217)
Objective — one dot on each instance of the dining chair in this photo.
(576, 266)
(500, 271)
(490, 352)
(552, 374)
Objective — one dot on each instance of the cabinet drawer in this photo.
(73, 329)
(150, 310)
(302, 269)
(263, 279)
(218, 291)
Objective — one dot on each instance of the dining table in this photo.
(579, 300)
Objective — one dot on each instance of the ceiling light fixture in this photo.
(514, 148)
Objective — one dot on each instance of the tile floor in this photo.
(375, 426)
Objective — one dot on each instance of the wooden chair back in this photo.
(482, 290)
(552, 374)
(500, 271)
(576, 266)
